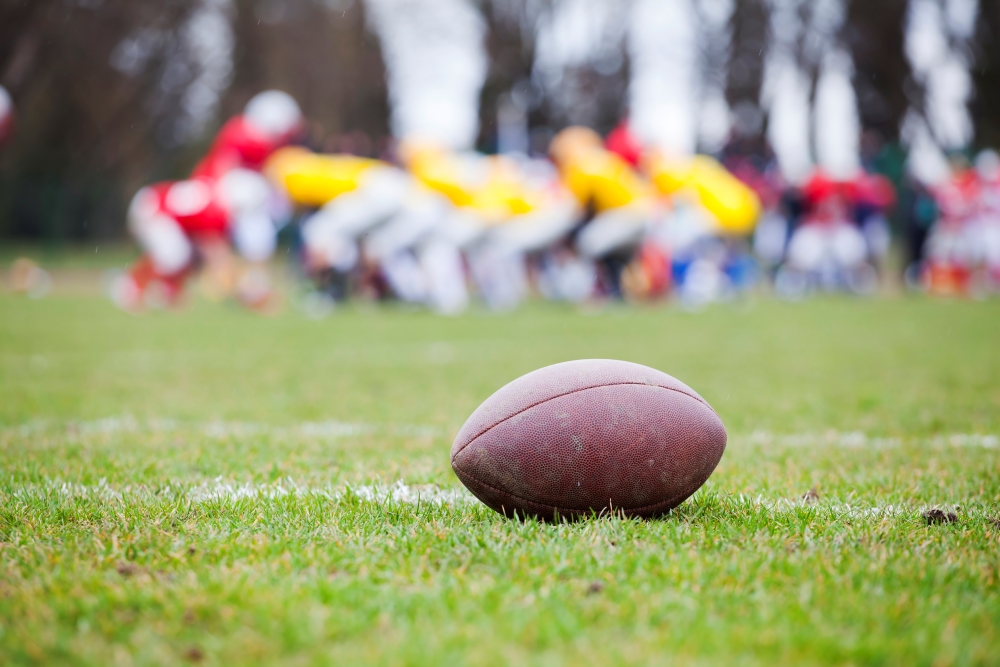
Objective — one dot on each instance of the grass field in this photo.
(224, 489)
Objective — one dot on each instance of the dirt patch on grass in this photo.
(194, 654)
(939, 516)
(127, 569)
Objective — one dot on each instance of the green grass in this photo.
(214, 487)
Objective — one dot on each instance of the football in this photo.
(589, 437)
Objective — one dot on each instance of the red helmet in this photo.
(821, 187)
(624, 143)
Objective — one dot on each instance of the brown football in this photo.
(589, 437)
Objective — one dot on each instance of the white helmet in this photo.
(988, 165)
(273, 113)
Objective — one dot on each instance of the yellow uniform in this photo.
(623, 203)
(311, 179)
(597, 177)
(603, 180)
(489, 185)
(734, 205)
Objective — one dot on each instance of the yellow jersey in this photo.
(491, 186)
(734, 204)
(603, 180)
(312, 179)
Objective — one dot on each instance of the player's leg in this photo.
(807, 248)
(499, 272)
(613, 232)
(167, 254)
(538, 230)
(419, 215)
(331, 237)
(444, 276)
(219, 266)
(255, 238)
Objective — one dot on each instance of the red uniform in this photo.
(958, 198)
(195, 206)
(177, 222)
(951, 250)
(238, 146)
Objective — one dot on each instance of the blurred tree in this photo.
(323, 55)
(587, 89)
(112, 94)
(745, 72)
(873, 32)
(746, 57)
(510, 47)
(86, 128)
(986, 75)
(105, 91)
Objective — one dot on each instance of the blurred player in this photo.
(505, 210)
(988, 218)
(194, 224)
(714, 214)
(874, 196)
(828, 249)
(951, 248)
(424, 229)
(369, 213)
(622, 204)
(708, 215)
(749, 157)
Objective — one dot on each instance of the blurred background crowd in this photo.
(439, 152)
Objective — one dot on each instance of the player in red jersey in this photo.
(951, 250)
(270, 120)
(986, 231)
(185, 225)
(840, 238)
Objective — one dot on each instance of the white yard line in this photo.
(219, 489)
(858, 439)
(217, 428)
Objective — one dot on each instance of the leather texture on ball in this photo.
(589, 436)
